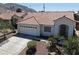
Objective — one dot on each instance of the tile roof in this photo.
(30, 20)
(47, 18)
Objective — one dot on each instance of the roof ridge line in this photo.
(25, 19)
(36, 20)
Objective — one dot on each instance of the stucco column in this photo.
(70, 31)
(56, 30)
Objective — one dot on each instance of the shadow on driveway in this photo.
(30, 36)
(4, 42)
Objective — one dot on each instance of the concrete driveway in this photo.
(13, 46)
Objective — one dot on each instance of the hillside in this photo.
(13, 7)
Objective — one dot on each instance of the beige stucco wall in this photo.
(67, 22)
(43, 33)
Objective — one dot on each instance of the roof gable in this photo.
(30, 20)
(66, 18)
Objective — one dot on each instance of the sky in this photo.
(53, 6)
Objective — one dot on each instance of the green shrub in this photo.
(61, 38)
(72, 45)
(31, 44)
(57, 37)
(52, 39)
(51, 36)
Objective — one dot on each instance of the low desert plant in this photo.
(31, 44)
(31, 47)
(72, 46)
(52, 47)
(52, 39)
(57, 37)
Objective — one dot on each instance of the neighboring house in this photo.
(11, 17)
(8, 15)
(48, 23)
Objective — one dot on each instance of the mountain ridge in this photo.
(14, 7)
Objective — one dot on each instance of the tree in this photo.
(19, 10)
(72, 46)
(14, 21)
(76, 17)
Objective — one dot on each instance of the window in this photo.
(47, 29)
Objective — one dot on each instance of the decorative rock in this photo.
(52, 53)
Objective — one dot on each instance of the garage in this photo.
(29, 30)
(29, 26)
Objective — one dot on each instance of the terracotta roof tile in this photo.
(47, 18)
(30, 20)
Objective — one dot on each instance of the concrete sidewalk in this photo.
(13, 46)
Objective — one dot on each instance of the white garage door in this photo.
(28, 30)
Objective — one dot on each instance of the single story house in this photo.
(48, 23)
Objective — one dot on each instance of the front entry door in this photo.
(63, 31)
